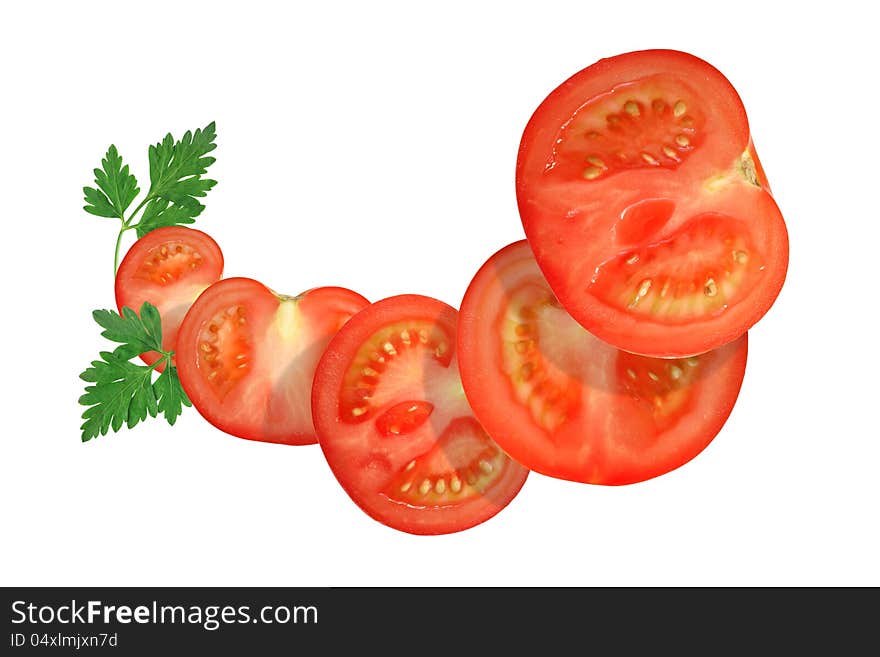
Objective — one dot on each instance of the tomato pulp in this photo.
(169, 267)
(396, 428)
(247, 356)
(647, 208)
(568, 405)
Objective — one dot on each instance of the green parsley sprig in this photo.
(176, 184)
(123, 392)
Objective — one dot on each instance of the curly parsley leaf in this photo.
(124, 393)
(117, 188)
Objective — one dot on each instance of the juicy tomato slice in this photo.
(246, 356)
(395, 425)
(569, 405)
(646, 206)
(169, 267)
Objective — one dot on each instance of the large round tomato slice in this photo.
(646, 206)
(568, 405)
(395, 425)
(169, 267)
(247, 356)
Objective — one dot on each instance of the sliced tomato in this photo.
(569, 405)
(247, 355)
(395, 425)
(169, 267)
(646, 206)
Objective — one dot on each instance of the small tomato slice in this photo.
(395, 425)
(568, 405)
(247, 356)
(169, 267)
(647, 209)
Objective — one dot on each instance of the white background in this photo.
(372, 145)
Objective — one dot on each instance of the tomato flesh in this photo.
(247, 356)
(459, 468)
(566, 404)
(395, 425)
(169, 267)
(646, 207)
(699, 271)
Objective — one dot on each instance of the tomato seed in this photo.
(670, 153)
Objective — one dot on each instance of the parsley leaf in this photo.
(170, 395)
(159, 212)
(176, 167)
(143, 331)
(117, 188)
(124, 392)
(176, 183)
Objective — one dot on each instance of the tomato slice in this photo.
(568, 405)
(247, 356)
(646, 206)
(395, 425)
(169, 267)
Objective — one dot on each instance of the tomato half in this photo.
(646, 206)
(246, 356)
(395, 425)
(169, 267)
(568, 405)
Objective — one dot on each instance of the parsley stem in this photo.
(147, 199)
(126, 225)
(118, 243)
